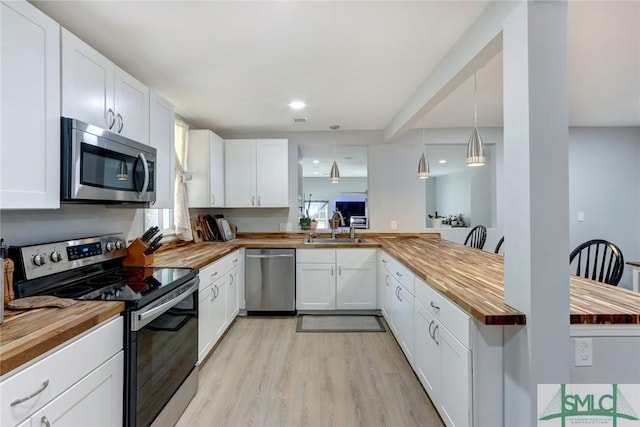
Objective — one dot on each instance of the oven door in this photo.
(163, 352)
(101, 166)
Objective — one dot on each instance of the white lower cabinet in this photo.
(90, 402)
(336, 279)
(443, 361)
(80, 384)
(218, 301)
(398, 302)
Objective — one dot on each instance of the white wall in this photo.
(604, 183)
(25, 227)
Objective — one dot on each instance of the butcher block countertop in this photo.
(27, 334)
(471, 278)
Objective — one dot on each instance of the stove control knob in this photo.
(110, 246)
(56, 256)
(119, 244)
(39, 259)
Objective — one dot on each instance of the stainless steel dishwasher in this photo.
(270, 281)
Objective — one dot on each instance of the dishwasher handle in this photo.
(271, 256)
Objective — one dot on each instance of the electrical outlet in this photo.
(583, 351)
(580, 216)
(394, 225)
(285, 226)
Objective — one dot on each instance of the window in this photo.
(162, 218)
(319, 210)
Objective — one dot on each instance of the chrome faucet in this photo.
(352, 229)
(333, 230)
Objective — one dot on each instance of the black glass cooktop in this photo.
(129, 284)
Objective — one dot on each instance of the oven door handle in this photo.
(141, 319)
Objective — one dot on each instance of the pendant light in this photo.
(475, 147)
(423, 164)
(334, 177)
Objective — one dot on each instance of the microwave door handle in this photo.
(145, 183)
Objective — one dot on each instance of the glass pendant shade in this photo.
(475, 149)
(423, 167)
(122, 174)
(335, 173)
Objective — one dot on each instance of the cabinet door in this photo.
(219, 307)
(161, 137)
(87, 83)
(240, 173)
(405, 319)
(205, 322)
(30, 105)
(455, 404)
(96, 400)
(232, 296)
(216, 170)
(427, 353)
(272, 173)
(131, 107)
(315, 286)
(198, 165)
(356, 286)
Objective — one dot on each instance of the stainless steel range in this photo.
(161, 316)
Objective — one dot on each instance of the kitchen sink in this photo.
(334, 241)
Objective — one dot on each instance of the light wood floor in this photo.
(263, 373)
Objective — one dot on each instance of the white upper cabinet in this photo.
(257, 173)
(30, 106)
(96, 91)
(161, 137)
(205, 161)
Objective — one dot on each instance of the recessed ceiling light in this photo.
(316, 172)
(297, 105)
(442, 161)
(315, 161)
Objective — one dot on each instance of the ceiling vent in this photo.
(300, 120)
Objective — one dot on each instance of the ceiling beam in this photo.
(481, 42)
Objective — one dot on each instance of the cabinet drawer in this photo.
(399, 271)
(316, 255)
(355, 255)
(449, 314)
(59, 370)
(216, 270)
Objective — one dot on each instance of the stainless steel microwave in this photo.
(101, 167)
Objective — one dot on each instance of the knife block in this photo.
(136, 255)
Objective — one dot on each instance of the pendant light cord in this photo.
(475, 102)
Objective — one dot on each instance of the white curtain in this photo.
(181, 201)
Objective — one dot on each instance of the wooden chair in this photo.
(598, 260)
(499, 245)
(476, 237)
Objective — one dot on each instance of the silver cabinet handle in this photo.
(121, 121)
(339, 270)
(216, 292)
(259, 200)
(435, 307)
(386, 280)
(45, 421)
(399, 289)
(384, 261)
(34, 394)
(213, 294)
(431, 326)
(213, 199)
(332, 271)
(235, 260)
(253, 200)
(111, 118)
(434, 334)
(398, 274)
(231, 276)
(214, 274)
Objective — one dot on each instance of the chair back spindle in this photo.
(598, 260)
(476, 237)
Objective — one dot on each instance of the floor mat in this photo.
(331, 323)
